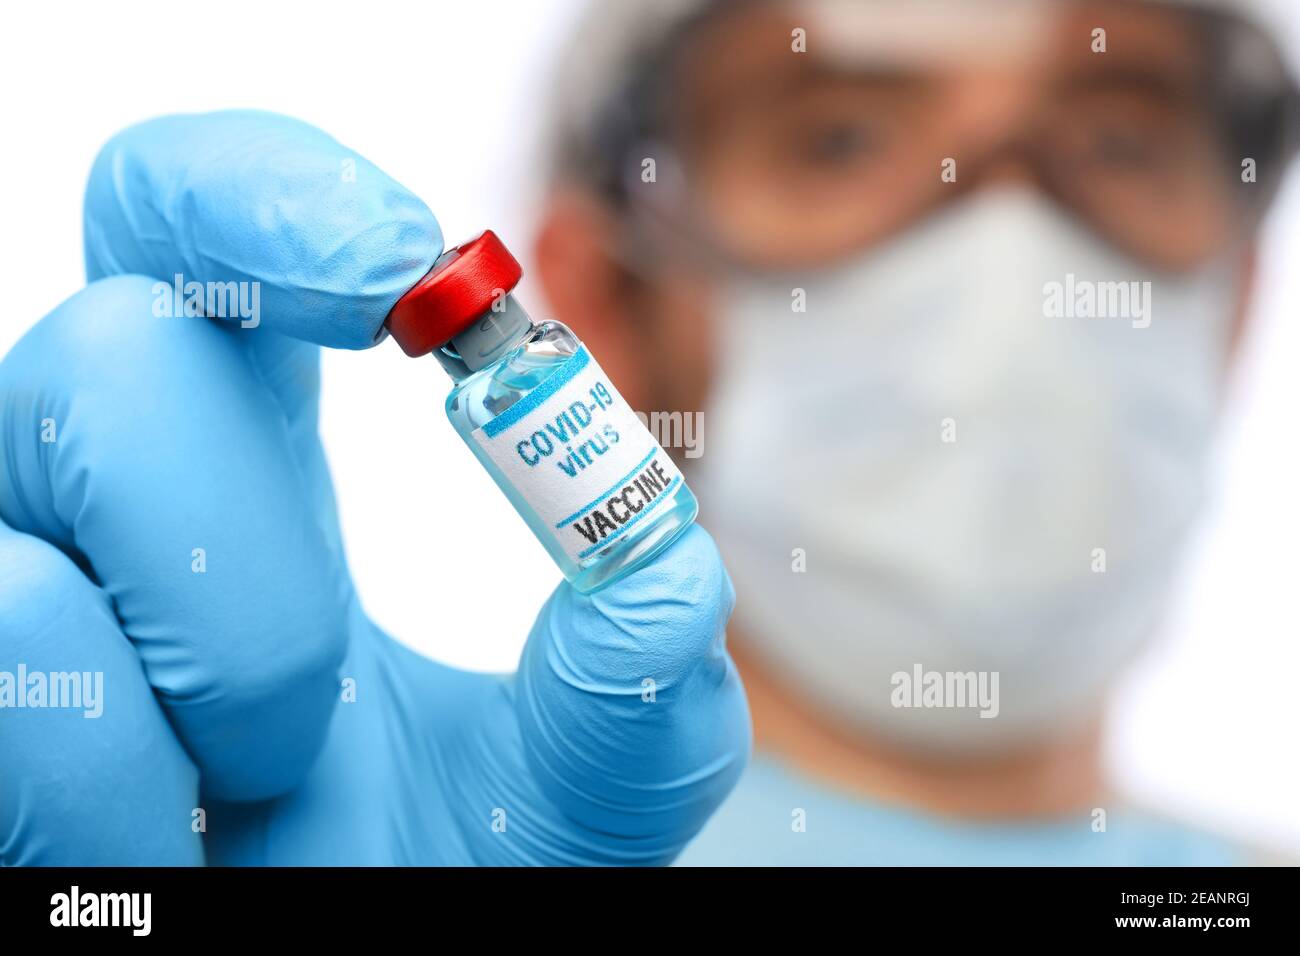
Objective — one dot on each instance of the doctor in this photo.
(955, 287)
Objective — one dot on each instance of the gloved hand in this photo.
(168, 522)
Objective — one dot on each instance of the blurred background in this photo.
(446, 98)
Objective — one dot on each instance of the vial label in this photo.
(581, 458)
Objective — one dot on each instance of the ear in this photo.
(1244, 301)
(586, 286)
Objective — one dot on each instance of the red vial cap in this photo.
(461, 286)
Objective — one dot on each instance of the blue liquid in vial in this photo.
(480, 396)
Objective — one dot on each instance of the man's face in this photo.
(951, 444)
(792, 161)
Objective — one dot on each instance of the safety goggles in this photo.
(1164, 127)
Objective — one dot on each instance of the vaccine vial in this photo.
(549, 426)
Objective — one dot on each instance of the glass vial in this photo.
(535, 408)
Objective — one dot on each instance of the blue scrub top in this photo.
(755, 827)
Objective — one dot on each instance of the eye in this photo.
(838, 142)
(1126, 147)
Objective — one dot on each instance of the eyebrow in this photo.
(817, 75)
(1163, 84)
(787, 86)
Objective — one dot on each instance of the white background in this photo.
(444, 97)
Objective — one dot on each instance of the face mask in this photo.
(960, 466)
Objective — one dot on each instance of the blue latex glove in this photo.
(222, 689)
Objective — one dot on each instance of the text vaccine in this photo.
(544, 419)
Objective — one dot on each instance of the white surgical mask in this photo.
(972, 485)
